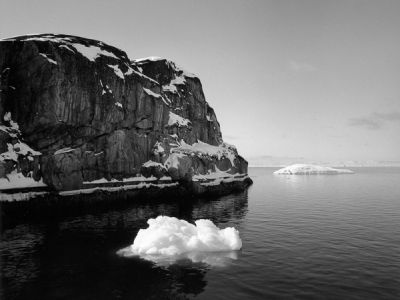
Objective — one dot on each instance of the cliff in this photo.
(77, 113)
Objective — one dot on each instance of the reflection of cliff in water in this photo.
(74, 257)
(231, 208)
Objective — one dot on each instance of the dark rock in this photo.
(157, 170)
(114, 114)
(63, 171)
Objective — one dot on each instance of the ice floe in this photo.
(307, 169)
(168, 239)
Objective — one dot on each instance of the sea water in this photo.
(303, 237)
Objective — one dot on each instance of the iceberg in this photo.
(306, 169)
(169, 239)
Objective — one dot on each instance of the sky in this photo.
(309, 79)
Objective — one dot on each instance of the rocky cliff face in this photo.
(75, 110)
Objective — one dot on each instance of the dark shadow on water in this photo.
(38, 213)
(74, 256)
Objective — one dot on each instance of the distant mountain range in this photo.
(275, 161)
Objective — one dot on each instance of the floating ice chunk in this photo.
(305, 169)
(169, 236)
(169, 240)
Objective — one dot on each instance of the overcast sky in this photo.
(315, 79)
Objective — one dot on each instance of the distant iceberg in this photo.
(306, 169)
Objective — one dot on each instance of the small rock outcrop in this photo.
(75, 110)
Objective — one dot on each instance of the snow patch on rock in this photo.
(175, 119)
(151, 163)
(158, 148)
(18, 149)
(64, 150)
(92, 52)
(118, 188)
(16, 180)
(151, 93)
(173, 160)
(150, 58)
(221, 151)
(52, 61)
(124, 180)
(117, 71)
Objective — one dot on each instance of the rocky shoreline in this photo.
(34, 204)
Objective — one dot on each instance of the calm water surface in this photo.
(304, 237)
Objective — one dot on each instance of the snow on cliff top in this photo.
(150, 58)
(178, 69)
(91, 49)
(305, 169)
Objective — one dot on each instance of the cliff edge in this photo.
(77, 114)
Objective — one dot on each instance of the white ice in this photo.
(169, 236)
(306, 169)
